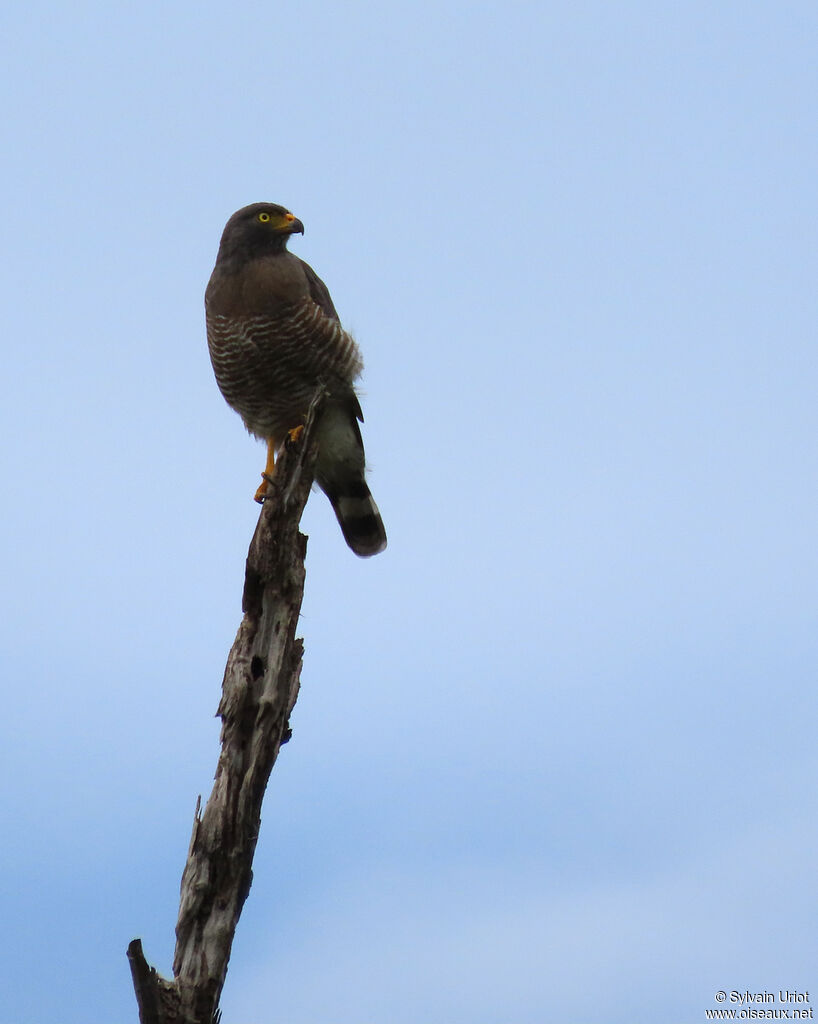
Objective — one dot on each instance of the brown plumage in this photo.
(275, 339)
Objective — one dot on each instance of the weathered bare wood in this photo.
(157, 999)
(260, 688)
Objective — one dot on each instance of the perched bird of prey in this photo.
(274, 340)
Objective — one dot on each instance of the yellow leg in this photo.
(296, 432)
(269, 470)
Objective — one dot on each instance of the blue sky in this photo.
(553, 758)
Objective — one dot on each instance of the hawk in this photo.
(275, 339)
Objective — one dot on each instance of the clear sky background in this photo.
(554, 756)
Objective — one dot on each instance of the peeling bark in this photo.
(260, 687)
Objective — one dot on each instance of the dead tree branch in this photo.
(259, 691)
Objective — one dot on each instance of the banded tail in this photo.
(358, 516)
(339, 472)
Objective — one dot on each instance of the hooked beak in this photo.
(293, 225)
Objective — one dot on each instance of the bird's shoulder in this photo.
(319, 293)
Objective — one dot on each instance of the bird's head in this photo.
(257, 229)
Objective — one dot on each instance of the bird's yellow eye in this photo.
(264, 218)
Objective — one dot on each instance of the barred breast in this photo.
(268, 366)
